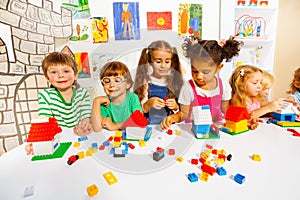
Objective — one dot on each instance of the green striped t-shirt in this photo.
(52, 104)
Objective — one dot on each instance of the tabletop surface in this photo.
(140, 177)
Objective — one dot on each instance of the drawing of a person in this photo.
(126, 21)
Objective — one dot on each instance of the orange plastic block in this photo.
(92, 190)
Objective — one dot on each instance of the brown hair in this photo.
(296, 78)
(116, 68)
(195, 48)
(174, 81)
(59, 58)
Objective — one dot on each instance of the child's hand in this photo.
(156, 102)
(167, 122)
(275, 105)
(106, 122)
(29, 149)
(84, 128)
(171, 104)
(253, 122)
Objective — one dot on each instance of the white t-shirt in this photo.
(186, 95)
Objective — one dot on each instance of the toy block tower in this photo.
(136, 127)
(43, 135)
(201, 121)
(236, 119)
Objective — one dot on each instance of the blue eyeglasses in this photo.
(118, 80)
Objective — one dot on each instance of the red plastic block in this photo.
(208, 146)
(102, 147)
(214, 151)
(208, 169)
(202, 160)
(159, 149)
(194, 161)
(169, 132)
(136, 119)
(131, 146)
(171, 151)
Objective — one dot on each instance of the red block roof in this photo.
(43, 131)
(136, 119)
(236, 113)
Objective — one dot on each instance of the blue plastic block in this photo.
(192, 177)
(112, 151)
(81, 139)
(239, 178)
(221, 171)
(105, 143)
(225, 130)
(148, 133)
(95, 145)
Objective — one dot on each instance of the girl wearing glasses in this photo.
(112, 110)
(158, 81)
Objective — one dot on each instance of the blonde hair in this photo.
(296, 78)
(268, 80)
(238, 80)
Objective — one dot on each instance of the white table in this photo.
(276, 177)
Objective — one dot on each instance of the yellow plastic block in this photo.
(88, 153)
(76, 144)
(179, 159)
(207, 162)
(118, 134)
(204, 176)
(81, 154)
(256, 157)
(220, 160)
(286, 123)
(142, 143)
(110, 178)
(92, 190)
(92, 150)
(116, 144)
(177, 132)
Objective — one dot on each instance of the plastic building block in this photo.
(204, 176)
(236, 119)
(192, 177)
(92, 190)
(95, 145)
(295, 133)
(239, 178)
(80, 154)
(171, 152)
(136, 119)
(76, 144)
(229, 157)
(169, 132)
(157, 156)
(72, 159)
(177, 132)
(59, 153)
(105, 143)
(179, 159)
(81, 139)
(256, 157)
(208, 169)
(148, 133)
(142, 143)
(28, 191)
(131, 146)
(110, 178)
(221, 171)
(194, 161)
(102, 147)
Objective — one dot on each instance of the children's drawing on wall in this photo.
(190, 19)
(99, 29)
(98, 60)
(80, 8)
(83, 65)
(81, 30)
(126, 20)
(159, 20)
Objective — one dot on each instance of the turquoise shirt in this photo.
(120, 113)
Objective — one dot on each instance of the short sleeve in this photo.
(226, 91)
(186, 95)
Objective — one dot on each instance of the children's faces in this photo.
(161, 63)
(203, 72)
(253, 84)
(115, 86)
(61, 77)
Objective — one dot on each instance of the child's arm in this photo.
(175, 118)
(84, 128)
(270, 107)
(224, 106)
(96, 112)
(172, 104)
(111, 125)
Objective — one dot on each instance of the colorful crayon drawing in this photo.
(190, 19)
(82, 60)
(159, 20)
(81, 30)
(126, 20)
(80, 8)
(99, 29)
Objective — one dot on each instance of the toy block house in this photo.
(287, 112)
(43, 135)
(136, 127)
(201, 121)
(236, 119)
